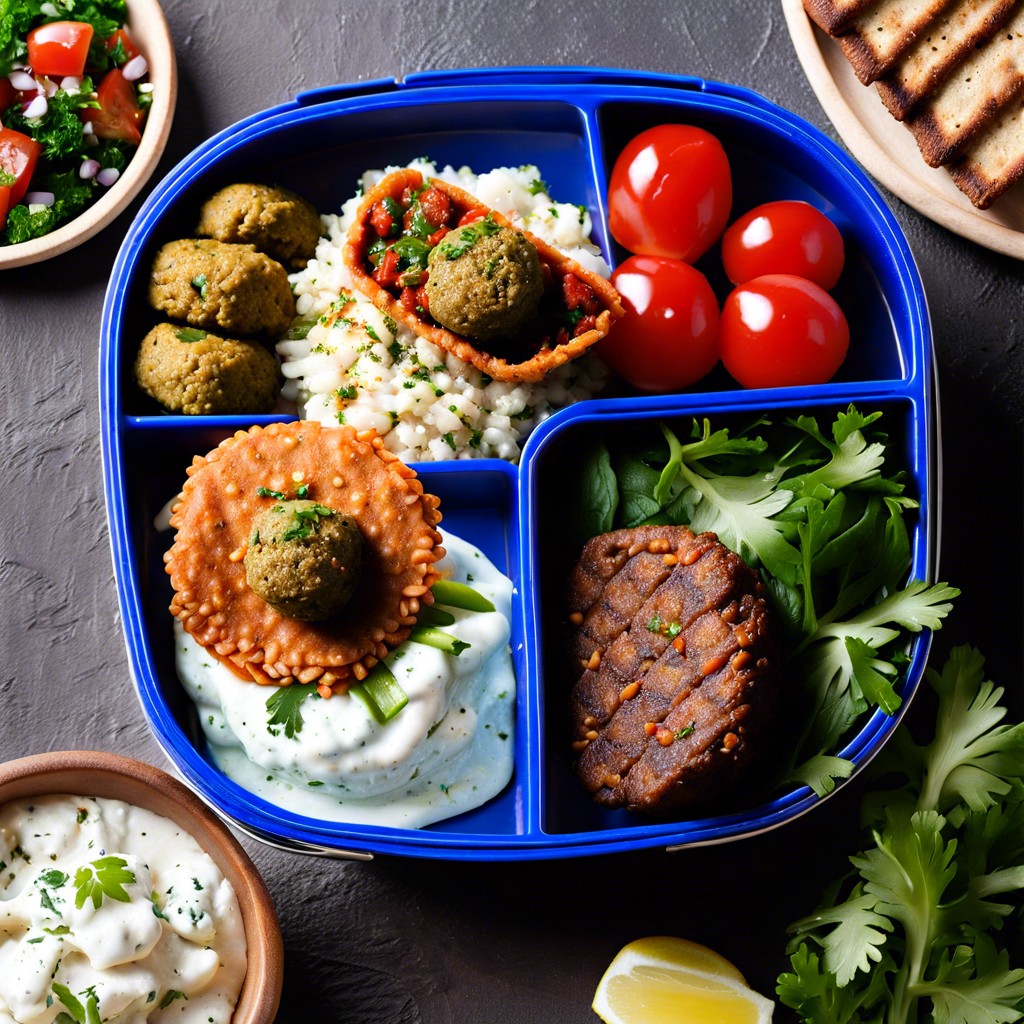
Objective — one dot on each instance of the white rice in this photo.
(368, 371)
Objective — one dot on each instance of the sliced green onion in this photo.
(298, 330)
(458, 595)
(438, 638)
(431, 615)
(381, 693)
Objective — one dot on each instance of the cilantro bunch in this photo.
(822, 516)
(910, 934)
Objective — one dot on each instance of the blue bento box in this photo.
(571, 123)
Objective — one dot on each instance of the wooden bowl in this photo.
(149, 31)
(97, 774)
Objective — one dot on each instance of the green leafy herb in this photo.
(468, 237)
(77, 1013)
(910, 934)
(59, 130)
(104, 877)
(170, 996)
(70, 196)
(822, 516)
(266, 492)
(304, 521)
(687, 730)
(157, 912)
(190, 335)
(53, 878)
(81, 816)
(285, 707)
(199, 284)
(298, 330)
(538, 185)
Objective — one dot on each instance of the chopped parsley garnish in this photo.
(304, 521)
(371, 333)
(54, 878)
(469, 236)
(687, 730)
(449, 440)
(657, 624)
(77, 1013)
(199, 284)
(172, 994)
(537, 186)
(285, 707)
(81, 816)
(347, 394)
(190, 334)
(104, 877)
(395, 350)
(266, 492)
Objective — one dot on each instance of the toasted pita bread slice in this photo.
(995, 160)
(834, 16)
(936, 54)
(547, 344)
(973, 96)
(884, 32)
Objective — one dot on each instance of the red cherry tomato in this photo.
(668, 336)
(119, 116)
(18, 156)
(670, 192)
(5, 204)
(59, 48)
(780, 330)
(785, 237)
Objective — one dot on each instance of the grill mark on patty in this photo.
(699, 668)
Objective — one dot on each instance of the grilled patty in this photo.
(677, 673)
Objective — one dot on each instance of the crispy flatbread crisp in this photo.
(835, 16)
(544, 353)
(349, 472)
(937, 53)
(880, 35)
(995, 161)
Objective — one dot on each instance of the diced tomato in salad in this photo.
(40, 149)
(18, 157)
(119, 115)
(59, 48)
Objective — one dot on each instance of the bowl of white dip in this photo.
(121, 895)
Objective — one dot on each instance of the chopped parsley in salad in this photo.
(73, 99)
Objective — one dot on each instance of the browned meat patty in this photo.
(679, 682)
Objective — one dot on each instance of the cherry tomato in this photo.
(5, 203)
(785, 237)
(18, 156)
(119, 116)
(670, 192)
(780, 330)
(59, 47)
(121, 37)
(668, 336)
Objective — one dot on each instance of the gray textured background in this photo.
(402, 941)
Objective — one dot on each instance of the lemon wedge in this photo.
(665, 980)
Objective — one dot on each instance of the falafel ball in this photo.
(278, 222)
(304, 559)
(221, 286)
(489, 288)
(191, 371)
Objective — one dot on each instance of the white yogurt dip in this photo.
(109, 912)
(448, 750)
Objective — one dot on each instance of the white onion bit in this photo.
(135, 68)
(71, 83)
(49, 86)
(87, 128)
(108, 175)
(37, 108)
(22, 81)
(39, 198)
(88, 169)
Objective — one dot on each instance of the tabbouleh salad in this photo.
(73, 99)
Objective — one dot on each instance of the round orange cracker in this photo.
(352, 473)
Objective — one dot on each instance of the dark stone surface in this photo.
(411, 942)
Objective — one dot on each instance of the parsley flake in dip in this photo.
(110, 912)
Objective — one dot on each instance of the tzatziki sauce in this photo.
(450, 749)
(110, 912)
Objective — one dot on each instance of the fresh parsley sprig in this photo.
(105, 877)
(822, 515)
(911, 934)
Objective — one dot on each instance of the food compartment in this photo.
(773, 157)
(321, 151)
(557, 461)
(478, 501)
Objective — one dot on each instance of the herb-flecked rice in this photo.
(367, 371)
